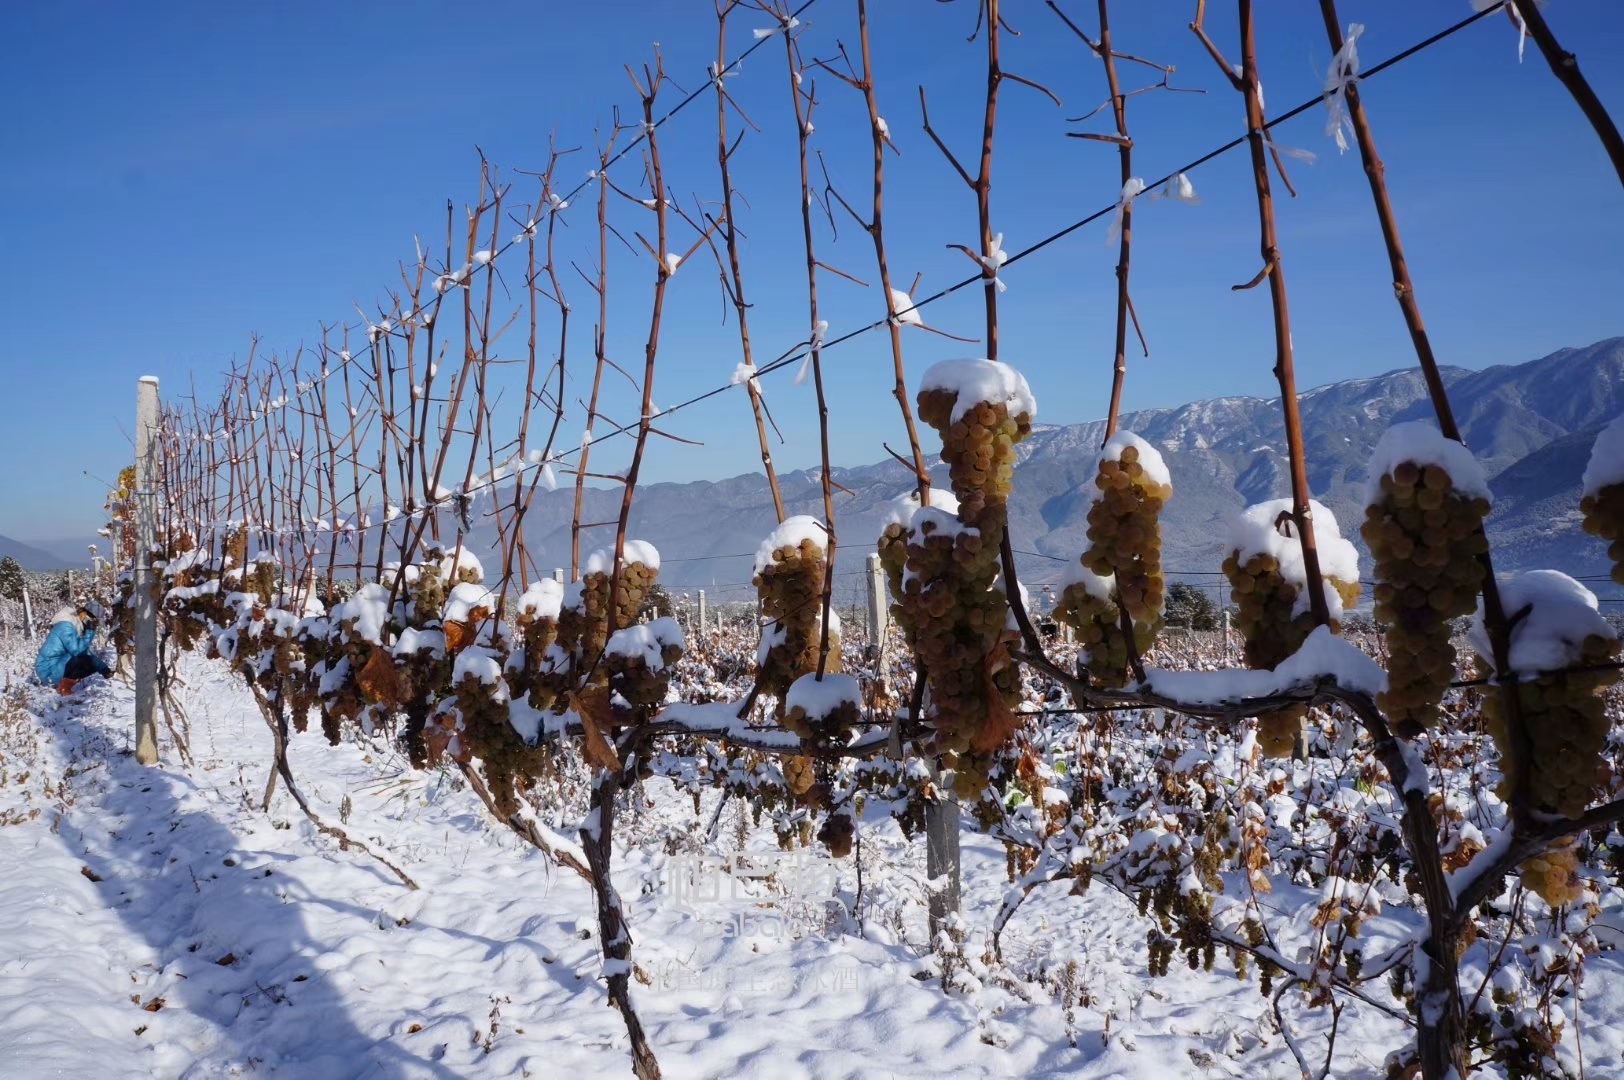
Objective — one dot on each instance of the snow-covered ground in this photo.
(154, 922)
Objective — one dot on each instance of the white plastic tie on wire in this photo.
(1343, 73)
(1516, 17)
(1130, 191)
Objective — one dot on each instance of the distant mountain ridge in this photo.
(1531, 425)
(30, 557)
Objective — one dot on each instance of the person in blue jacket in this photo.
(67, 655)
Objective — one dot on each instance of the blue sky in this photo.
(175, 177)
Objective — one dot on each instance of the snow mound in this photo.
(602, 561)
(647, 640)
(1420, 442)
(464, 599)
(900, 510)
(819, 697)
(975, 381)
(543, 599)
(1606, 466)
(790, 534)
(1253, 532)
(1150, 458)
(1323, 653)
(1561, 614)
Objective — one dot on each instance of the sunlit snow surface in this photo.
(275, 954)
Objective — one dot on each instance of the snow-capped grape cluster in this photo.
(1089, 608)
(1604, 517)
(1565, 715)
(949, 589)
(583, 619)
(1425, 535)
(789, 580)
(1273, 628)
(1125, 535)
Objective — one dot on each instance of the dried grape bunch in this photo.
(1124, 530)
(981, 409)
(1269, 585)
(1426, 501)
(1603, 501)
(789, 578)
(1561, 652)
(1088, 605)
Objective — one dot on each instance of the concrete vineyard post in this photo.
(146, 615)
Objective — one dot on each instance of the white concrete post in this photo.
(28, 615)
(558, 574)
(702, 612)
(146, 528)
(878, 611)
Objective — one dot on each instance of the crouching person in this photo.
(68, 654)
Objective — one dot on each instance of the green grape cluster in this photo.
(790, 587)
(1125, 540)
(1097, 620)
(1425, 536)
(1604, 517)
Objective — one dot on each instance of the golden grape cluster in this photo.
(1273, 628)
(948, 586)
(584, 625)
(1426, 536)
(790, 585)
(1565, 715)
(1604, 517)
(1125, 534)
(1088, 608)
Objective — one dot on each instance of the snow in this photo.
(369, 610)
(1606, 465)
(745, 373)
(1150, 459)
(602, 561)
(412, 640)
(482, 664)
(790, 534)
(1075, 573)
(1323, 653)
(458, 563)
(1561, 614)
(903, 305)
(463, 599)
(900, 510)
(975, 381)
(277, 953)
(1253, 532)
(821, 697)
(543, 599)
(647, 640)
(1420, 442)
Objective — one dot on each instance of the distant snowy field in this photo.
(154, 923)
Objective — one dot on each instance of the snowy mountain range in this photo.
(1530, 424)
